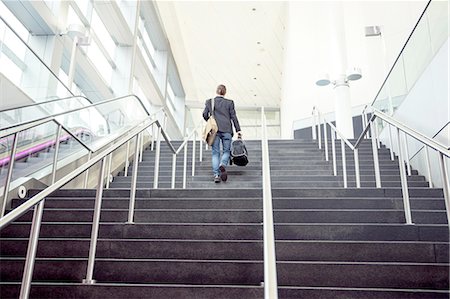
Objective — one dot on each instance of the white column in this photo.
(342, 104)
(338, 54)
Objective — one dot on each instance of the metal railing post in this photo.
(377, 137)
(86, 173)
(157, 155)
(55, 155)
(153, 138)
(313, 125)
(364, 121)
(133, 183)
(201, 149)
(127, 159)
(427, 160)
(445, 185)
(406, 154)
(358, 179)
(193, 153)
(174, 165)
(325, 136)
(141, 152)
(391, 144)
(319, 130)
(344, 163)
(31, 251)
(404, 181)
(367, 122)
(270, 268)
(185, 166)
(9, 174)
(376, 162)
(333, 148)
(108, 172)
(95, 225)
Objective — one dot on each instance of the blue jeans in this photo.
(226, 144)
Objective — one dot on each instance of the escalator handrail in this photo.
(46, 102)
(29, 124)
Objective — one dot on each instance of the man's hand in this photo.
(239, 134)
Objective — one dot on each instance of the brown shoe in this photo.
(223, 173)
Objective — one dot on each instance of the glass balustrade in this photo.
(430, 34)
(95, 126)
(32, 112)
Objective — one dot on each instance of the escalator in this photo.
(76, 132)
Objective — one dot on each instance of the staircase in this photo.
(206, 241)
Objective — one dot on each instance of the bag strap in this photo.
(212, 105)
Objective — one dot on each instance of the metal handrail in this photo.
(438, 132)
(270, 267)
(76, 109)
(400, 127)
(46, 102)
(38, 200)
(37, 56)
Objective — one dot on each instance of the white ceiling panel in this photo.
(235, 43)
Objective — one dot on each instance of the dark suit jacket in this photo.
(224, 114)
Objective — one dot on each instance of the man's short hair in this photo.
(221, 90)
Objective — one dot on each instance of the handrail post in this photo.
(127, 159)
(375, 156)
(86, 173)
(157, 155)
(344, 163)
(406, 155)
(325, 136)
(31, 251)
(391, 144)
(95, 225)
(427, 160)
(333, 147)
(358, 179)
(319, 130)
(364, 121)
(270, 270)
(404, 181)
(201, 149)
(141, 153)
(377, 137)
(445, 185)
(133, 182)
(55, 155)
(153, 138)
(9, 175)
(193, 153)
(367, 123)
(184, 166)
(174, 165)
(108, 172)
(313, 125)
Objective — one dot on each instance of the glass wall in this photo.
(23, 67)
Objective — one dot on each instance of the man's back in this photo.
(224, 114)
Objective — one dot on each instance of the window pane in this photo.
(13, 22)
(103, 34)
(99, 60)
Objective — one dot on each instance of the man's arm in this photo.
(206, 111)
(233, 118)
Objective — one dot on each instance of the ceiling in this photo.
(235, 43)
